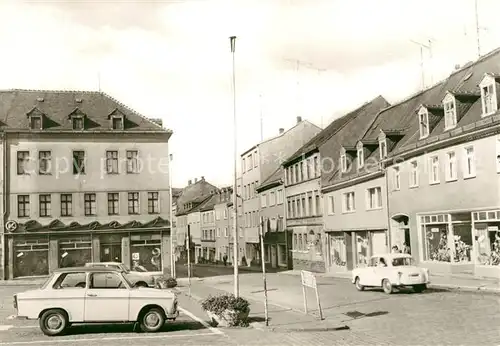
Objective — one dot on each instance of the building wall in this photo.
(250, 179)
(193, 221)
(221, 241)
(464, 194)
(275, 210)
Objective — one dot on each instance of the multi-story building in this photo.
(355, 199)
(303, 171)
(257, 164)
(223, 225)
(443, 171)
(84, 178)
(277, 241)
(208, 246)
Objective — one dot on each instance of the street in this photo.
(371, 317)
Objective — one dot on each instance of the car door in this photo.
(370, 270)
(107, 298)
(381, 271)
(68, 292)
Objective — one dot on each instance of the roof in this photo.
(210, 203)
(358, 121)
(86, 269)
(56, 106)
(194, 193)
(276, 137)
(33, 226)
(402, 117)
(331, 130)
(274, 179)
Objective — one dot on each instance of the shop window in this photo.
(75, 251)
(437, 245)
(462, 239)
(146, 252)
(282, 256)
(31, 256)
(362, 248)
(338, 255)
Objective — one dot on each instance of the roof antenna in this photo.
(261, 120)
(99, 81)
(428, 47)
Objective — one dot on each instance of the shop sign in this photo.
(492, 228)
(435, 230)
(135, 256)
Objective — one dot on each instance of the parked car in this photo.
(138, 276)
(91, 294)
(391, 271)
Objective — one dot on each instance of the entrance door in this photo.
(274, 254)
(111, 252)
(349, 254)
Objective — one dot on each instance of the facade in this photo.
(443, 173)
(277, 241)
(257, 164)
(303, 173)
(69, 161)
(207, 211)
(223, 225)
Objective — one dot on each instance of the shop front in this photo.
(308, 248)
(36, 250)
(486, 243)
(350, 249)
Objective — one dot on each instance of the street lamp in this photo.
(172, 255)
(232, 40)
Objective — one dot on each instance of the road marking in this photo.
(197, 319)
(98, 338)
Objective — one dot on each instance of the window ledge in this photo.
(434, 183)
(349, 212)
(374, 209)
(413, 186)
(469, 177)
(450, 180)
(396, 189)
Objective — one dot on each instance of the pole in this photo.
(261, 232)
(477, 30)
(261, 120)
(188, 246)
(172, 256)
(232, 40)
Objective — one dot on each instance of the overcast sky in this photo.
(171, 59)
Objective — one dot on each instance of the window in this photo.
(153, 203)
(434, 170)
(397, 177)
(488, 98)
(470, 163)
(225, 213)
(297, 176)
(301, 171)
(279, 196)
(249, 162)
(226, 233)
(319, 210)
(113, 203)
(413, 174)
(451, 166)
(78, 162)
(218, 232)
(374, 198)
(252, 190)
(36, 122)
(117, 123)
(289, 209)
(106, 281)
(133, 202)
(383, 149)
(423, 120)
(498, 155)
(331, 205)
(90, 204)
(45, 210)
(71, 280)
(78, 123)
(132, 161)
(361, 159)
(23, 206)
(22, 162)
(317, 167)
(243, 166)
(343, 163)
(44, 162)
(112, 162)
(349, 202)
(450, 115)
(263, 200)
(66, 204)
(255, 160)
(272, 198)
(217, 214)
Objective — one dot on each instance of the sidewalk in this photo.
(450, 282)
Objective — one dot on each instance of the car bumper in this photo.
(173, 316)
(18, 317)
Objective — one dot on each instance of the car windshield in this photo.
(127, 281)
(402, 261)
(46, 282)
(140, 269)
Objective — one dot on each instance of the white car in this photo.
(391, 271)
(90, 295)
(139, 276)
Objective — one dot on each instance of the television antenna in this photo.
(423, 46)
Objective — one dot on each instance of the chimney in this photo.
(195, 180)
(299, 119)
(282, 130)
(189, 182)
(202, 178)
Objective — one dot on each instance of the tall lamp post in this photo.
(232, 40)
(172, 255)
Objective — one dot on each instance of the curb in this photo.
(476, 289)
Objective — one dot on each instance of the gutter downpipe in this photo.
(4, 201)
(389, 235)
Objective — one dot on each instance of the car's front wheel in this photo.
(387, 286)
(357, 282)
(152, 320)
(419, 288)
(54, 322)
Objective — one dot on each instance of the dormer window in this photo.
(117, 123)
(488, 95)
(117, 119)
(343, 162)
(360, 154)
(450, 112)
(383, 148)
(36, 122)
(423, 123)
(78, 122)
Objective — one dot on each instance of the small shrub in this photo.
(229, 308)
(165, 282)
